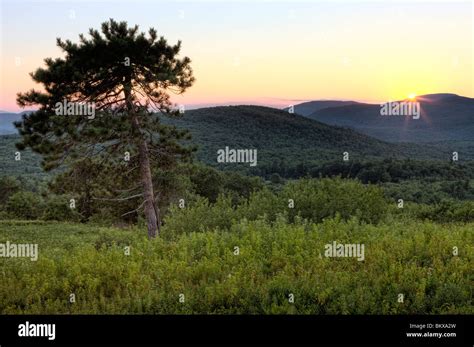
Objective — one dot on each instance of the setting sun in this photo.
(412, 96)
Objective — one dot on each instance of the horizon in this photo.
(274, 56)
(276, 106)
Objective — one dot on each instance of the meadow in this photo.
(257, 256)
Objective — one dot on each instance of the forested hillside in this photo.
(444, 117)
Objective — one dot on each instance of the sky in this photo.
(274, 53)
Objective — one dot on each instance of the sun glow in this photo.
(412, 96)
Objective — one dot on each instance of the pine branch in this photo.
(119, 199)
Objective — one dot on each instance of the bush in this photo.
(263, 203)
(210, 183)
(26, 205)
(57, 208)
(207, 182)
(314, 200)
(200, 215)
(448, 211)
(8, 186)
(328, 197)
(105, 216)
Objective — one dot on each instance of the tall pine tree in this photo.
(127, 76)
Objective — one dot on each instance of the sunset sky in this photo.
(273, 53)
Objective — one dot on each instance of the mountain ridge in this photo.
(444, 117)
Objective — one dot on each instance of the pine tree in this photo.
(126, 76)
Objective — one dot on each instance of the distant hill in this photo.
(444, 117)
(278, 136)
(6, 122)
(307, 108)
(281, 136)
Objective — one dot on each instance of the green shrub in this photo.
(8, 186)
(314, 200)
(328, 197)
(26, 205)
(448, 211)
(104, 216)
(262, 203)
(200, 215)
(275, 259)
(57, 208)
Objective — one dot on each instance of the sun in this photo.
(412, 96)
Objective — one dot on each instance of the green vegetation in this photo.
(275, 260)
(30, 164)
(288, 139)
(281, 251)
(85, 181)
(222, 238)
(313, 200)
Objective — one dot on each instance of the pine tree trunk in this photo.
(152, 213)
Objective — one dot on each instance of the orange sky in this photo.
(270, 53)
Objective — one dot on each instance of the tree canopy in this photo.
(126, 77)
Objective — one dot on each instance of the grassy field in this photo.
(278, 268)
